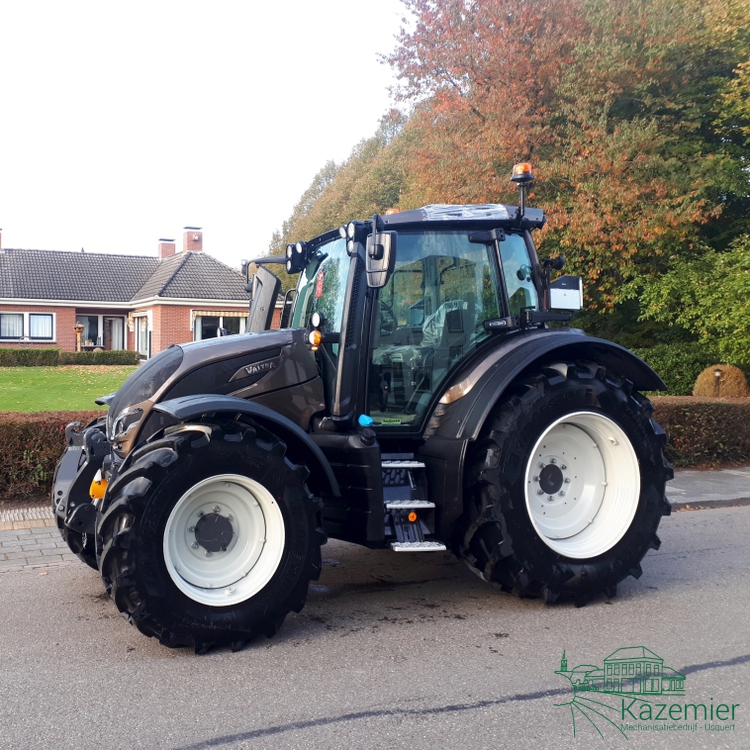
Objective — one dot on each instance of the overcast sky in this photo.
(124, 122)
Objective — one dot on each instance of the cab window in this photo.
(430, 315)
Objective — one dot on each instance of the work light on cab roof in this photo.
(522, 173)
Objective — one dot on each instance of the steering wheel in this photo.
(388, 323)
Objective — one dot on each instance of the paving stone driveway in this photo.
(32, 544)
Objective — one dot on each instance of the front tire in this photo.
(565, 487)
(209, 536)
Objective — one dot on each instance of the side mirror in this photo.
(380, 255)
(566, 293)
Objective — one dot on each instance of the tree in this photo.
(614, 102)
(709, 296)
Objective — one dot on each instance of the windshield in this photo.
(322, 287)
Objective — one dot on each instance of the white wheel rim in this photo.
(582, 485)
(223, 577)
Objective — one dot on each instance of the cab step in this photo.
(409, 515)
(408, 504)
(424, 546)
(401, 463)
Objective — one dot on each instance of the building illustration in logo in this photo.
(632, 670)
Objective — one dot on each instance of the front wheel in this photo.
(209, 536)
(565, 486)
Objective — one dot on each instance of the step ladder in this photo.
(409, 515)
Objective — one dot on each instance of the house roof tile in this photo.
(102, 277)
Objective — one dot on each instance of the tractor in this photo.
(423, 393)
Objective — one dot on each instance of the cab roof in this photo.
(485, 214)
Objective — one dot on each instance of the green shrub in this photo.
(123, 357)
(51, 357)
(678, 364)
(46, 357)
(31, 445)
(705, 432)
(731, 382)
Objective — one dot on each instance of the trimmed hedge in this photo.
(705, 432)
(702, 432)
(122, 357)
(678, 364)
(31, 445)
(47, 357)
(52, 357)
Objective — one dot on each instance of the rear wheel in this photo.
(565, 486)
(209, 536)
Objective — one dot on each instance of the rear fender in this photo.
(473, 392)
(299, 443)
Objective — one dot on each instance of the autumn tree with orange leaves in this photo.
(614, 103)
(634, 114)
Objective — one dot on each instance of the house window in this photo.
(206, 324)
(141, 335)
(11, 326)
(27, 326)
(40, 326)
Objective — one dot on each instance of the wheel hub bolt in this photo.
(540, 492)
(230, 517)
(208, 553)
(567, 480)
(561, 493)
(191, 528)
(541, 465)
(563, 467)
(550, 498)
(216, 508)
(200, 514)
(195, 545)
(553, 460)
(536, 478)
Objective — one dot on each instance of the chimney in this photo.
(166, 248)
(192, 240)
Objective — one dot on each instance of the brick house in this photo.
(122, 301)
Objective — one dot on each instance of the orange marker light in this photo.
(315, 337)
(98, 487)
(522, 172)
(412, 517)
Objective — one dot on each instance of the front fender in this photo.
(187, 408)
(474, 391)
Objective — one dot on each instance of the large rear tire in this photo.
(565, 487)
(209, 536)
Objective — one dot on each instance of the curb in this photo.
(705, 505)
(26, 518)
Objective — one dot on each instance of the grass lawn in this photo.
(70, 387)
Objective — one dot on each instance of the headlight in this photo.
(142, 385)
(125, 422)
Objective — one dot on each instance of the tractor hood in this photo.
(247, 366)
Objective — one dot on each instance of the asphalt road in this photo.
(392, 651)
